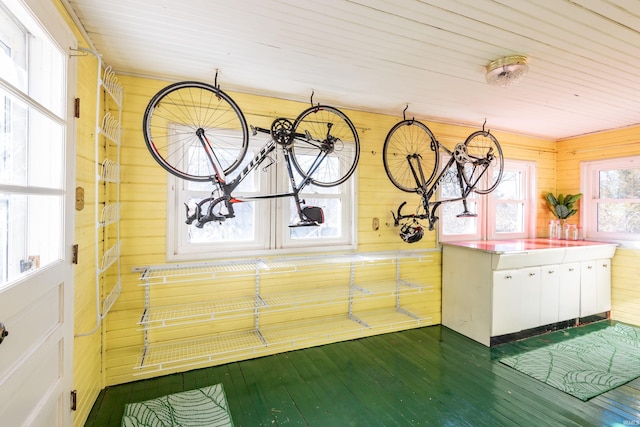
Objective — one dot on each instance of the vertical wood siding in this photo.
(625, 291)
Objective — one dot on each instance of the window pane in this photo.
(618, 217)
(13, 51)
(619, 184)
(455, 225)
(31, 62)
(31, 146)
(238, 229)
(509, 217)
(30, 235)
(510, 186)
(200, 166)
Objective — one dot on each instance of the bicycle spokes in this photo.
(475, 166)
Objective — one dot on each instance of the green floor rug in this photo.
(204, 407)
(585, 366)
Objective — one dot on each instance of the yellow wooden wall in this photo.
(87, 350)
(87, 366)
(625, 291)
(108, 356)
(143, 215)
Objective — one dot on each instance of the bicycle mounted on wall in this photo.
(197, 132)
(411, 157)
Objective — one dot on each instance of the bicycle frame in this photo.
(308, 216)
(460, 158)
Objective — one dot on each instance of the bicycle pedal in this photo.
(306, 223)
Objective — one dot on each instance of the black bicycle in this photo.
(196, 132)
(411, 156)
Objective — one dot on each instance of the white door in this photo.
(36, 215)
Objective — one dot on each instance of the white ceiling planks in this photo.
(381, 55)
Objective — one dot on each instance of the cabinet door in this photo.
(569, 295)
(506, 302)
(531, 297)
(603, 285)
(550, 294)
(588, 293)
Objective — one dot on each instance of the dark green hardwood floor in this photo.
(427, 376)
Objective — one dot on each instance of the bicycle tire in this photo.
(340, 163)
(172, 118)
(483, 145)
(410, 138)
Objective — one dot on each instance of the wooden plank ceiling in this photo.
(382, 55)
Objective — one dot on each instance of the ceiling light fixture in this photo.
(506, 71)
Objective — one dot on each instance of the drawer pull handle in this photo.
(571, 269)
(507, 277)
(551, 271)
(590, 267)
(532, 274)
(605, 265)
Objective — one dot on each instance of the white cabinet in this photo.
(549, 295)
(506, 302)
(595, 287)
(569, 291)
(524, 298)
(497, 294)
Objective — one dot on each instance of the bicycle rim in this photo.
(170, 123)
(325, 125)
(410, 140)
(481, 145)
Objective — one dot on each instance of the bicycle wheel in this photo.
(328, 132)
(171, 122)
(410, 141)
(488, 159)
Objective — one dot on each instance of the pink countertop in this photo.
(523, 245)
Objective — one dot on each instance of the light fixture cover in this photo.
(506, 71)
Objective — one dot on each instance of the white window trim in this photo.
(528, 169)
(277, 243)
(485, 229)
(589, 180)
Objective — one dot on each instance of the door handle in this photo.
(3, 332)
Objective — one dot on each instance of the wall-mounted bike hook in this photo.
(3, 332)
(485, 122)
(215, 81)
(404, 117)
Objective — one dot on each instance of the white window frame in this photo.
(528, 171)
(42, 91)
(485, 207)
(589, 178)
(271, 216)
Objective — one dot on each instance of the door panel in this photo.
(32, 390)
(36, 298)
